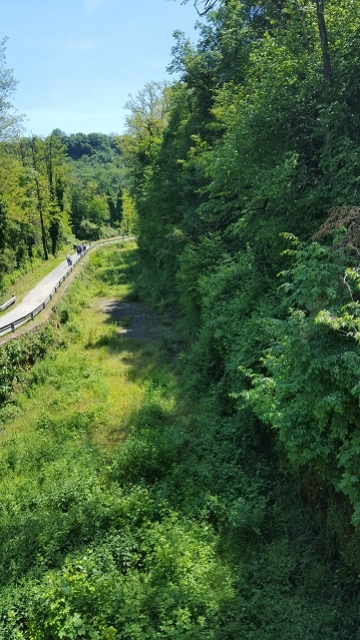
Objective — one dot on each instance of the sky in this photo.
(77, 61)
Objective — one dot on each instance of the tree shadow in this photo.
(135, 333)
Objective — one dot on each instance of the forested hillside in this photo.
(99, 202)
(245, 173)
(55, 190)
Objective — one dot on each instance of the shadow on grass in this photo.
(133, 319)
(141, 356)
(130, 328)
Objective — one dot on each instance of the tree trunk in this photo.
(324, 40)
(43, 231)
(40, 207)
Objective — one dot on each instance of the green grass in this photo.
(66, 503)
(100, 371)
(128, 511)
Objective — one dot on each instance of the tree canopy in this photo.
(10, 121)
(248, 200)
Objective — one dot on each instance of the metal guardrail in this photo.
(8, 303)
(12, 326)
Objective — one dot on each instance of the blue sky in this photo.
(77, 61)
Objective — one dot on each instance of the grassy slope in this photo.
(124, 510)
(62, 493)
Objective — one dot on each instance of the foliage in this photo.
(10, 121)
(120, 589)
(53, 189)
(130, 510)
(259, 147)
(230, 508)
(34, 204)
(18, 356)
(97, 177)
(311, 395)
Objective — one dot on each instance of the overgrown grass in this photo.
(130, 511)
(91, 373)
(64, 503)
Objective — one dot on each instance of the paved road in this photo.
(37, 296)
(40, 293)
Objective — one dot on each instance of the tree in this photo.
(97, 170)
(46, 164)
(324, 40)
(148, 111)
(10, 121)
(119, 207)
(35, 148)
(203, 6)
(145, 125)
(129, 213)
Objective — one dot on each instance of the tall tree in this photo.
(119, 207)
(10, 121)
(324, 40)
(39, 193)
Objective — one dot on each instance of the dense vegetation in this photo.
(204, 487)
(245, 174)
(97, 190)
(131, 510)
(96, 539)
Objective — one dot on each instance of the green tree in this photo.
(10, 121)
(97, 169)
(50, 172)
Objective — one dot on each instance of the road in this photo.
(36, 297)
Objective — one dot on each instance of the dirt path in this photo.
(135, 320)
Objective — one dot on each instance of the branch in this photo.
(348, 286)
(207, 5)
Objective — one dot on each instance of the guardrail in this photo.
(12, 326)
(8, 303)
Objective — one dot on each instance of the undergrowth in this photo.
(132, 510)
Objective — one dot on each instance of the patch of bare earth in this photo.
(133, 318)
